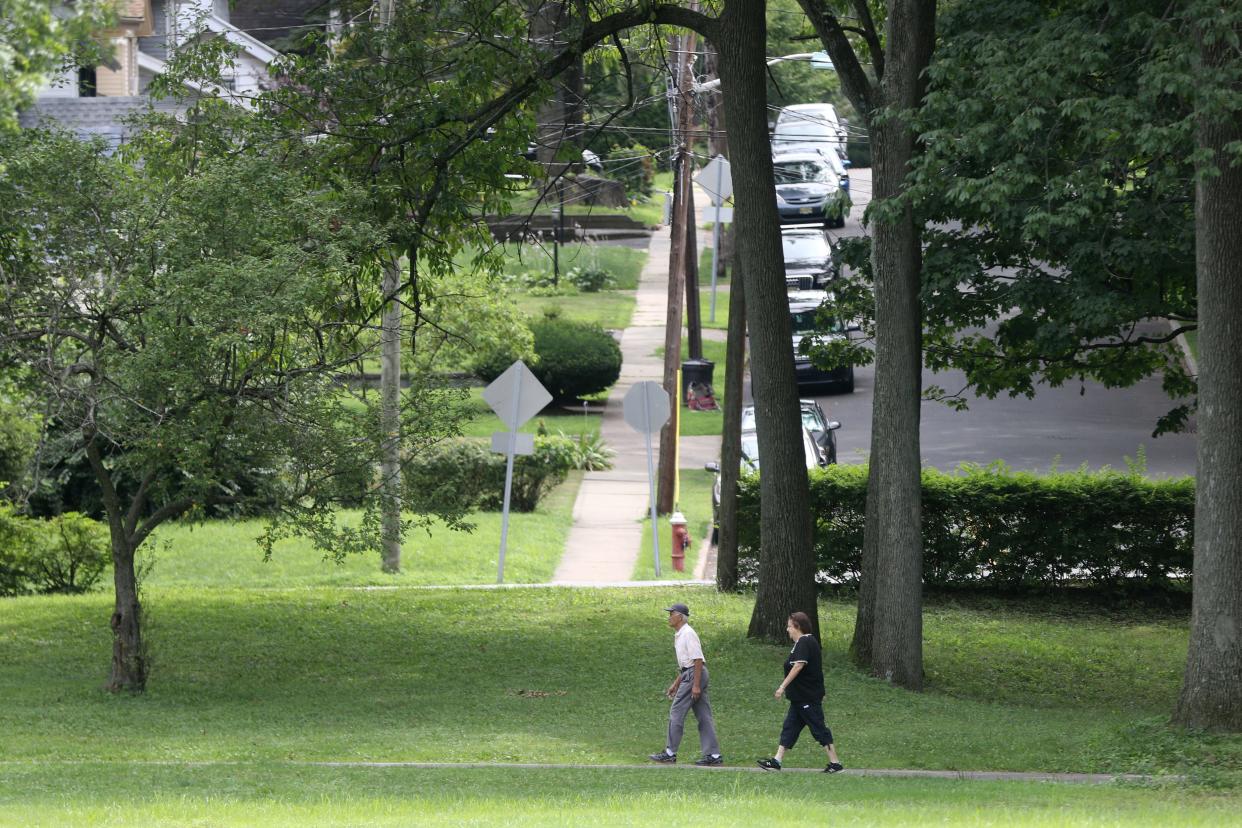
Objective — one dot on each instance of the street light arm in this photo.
(715, 84)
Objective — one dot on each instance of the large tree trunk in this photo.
(390, 416)
(731, 438)
(786, 566)
(894, 495)
(1211, 694)
(390, 384)
(129, 663)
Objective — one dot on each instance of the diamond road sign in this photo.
(516, 395)
(716, 180)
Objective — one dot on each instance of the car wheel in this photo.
(848, 385)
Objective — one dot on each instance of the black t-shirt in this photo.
(808, 686)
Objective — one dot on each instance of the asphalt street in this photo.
(1060, 427)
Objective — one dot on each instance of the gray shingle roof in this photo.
(88, 117)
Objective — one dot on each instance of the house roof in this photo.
(91, 117)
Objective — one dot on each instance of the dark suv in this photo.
(808, 258)
(805, 321)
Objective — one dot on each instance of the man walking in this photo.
(688, 692)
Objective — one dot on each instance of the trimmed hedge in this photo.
(995, 527)
(466, 475)
(575, 358)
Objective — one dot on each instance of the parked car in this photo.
(815, 458)
(814, 127)
(822, 430)
(808, 189)
(808, 258)
(805, 320)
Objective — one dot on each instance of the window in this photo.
(86, 82)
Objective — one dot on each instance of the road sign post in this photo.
(646, 410)
(515, 396)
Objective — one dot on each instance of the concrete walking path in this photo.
(892, 773)
(606, 535)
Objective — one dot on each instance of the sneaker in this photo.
(834, 767)
(664, 756)
(710, 760)
(769, 764)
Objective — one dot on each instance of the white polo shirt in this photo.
(687, 646)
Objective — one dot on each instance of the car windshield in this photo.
(805, 130)
(801, 172)
(750, 451)
(810, 246)
(810, 419)
(811, 321)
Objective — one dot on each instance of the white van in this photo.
(812, 126)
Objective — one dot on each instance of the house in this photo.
(97, 100)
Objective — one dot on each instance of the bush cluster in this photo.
(634, 168)
(995, 527)
(66, 553)
(466, 475)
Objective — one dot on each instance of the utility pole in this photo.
(682, 49)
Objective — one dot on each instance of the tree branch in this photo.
(854, 82)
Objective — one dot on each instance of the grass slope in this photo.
(264, 679)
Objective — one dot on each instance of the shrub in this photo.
(73, 554)
(590, 279)
(995, 527)
(465, 475)
(633, 167)
(590, 453)
(574, 358)
(67, 553)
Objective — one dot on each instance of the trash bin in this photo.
(695, 370)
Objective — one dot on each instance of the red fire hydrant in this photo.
(681, 540)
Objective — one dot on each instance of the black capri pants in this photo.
(805, 714)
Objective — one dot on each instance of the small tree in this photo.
(182, 310)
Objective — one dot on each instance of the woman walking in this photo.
(804, 687)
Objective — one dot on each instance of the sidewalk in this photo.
(606, 535)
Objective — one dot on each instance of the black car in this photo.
(808, 258)
(805, 320)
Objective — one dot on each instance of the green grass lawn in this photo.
(624, 263)
(556, 418)
(276, 794)
(701, 423)
(695, 502)
(721, 321)
(224, 554)
(269, 678)
(609, 309)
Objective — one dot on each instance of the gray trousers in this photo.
(683, 702)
